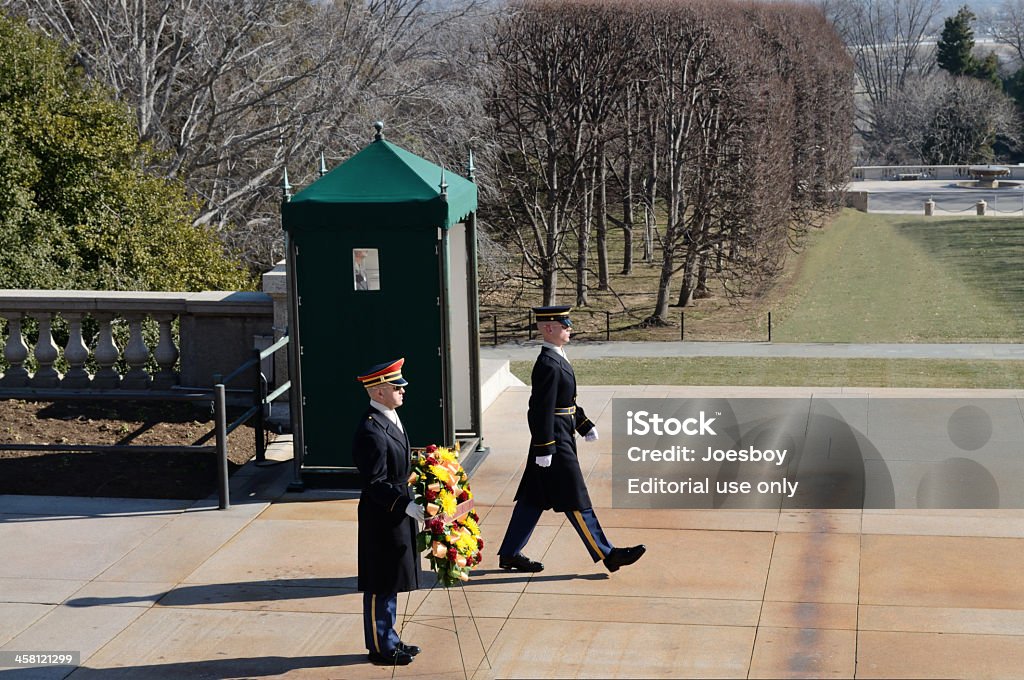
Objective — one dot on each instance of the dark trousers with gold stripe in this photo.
(524, 521)
(380, 614)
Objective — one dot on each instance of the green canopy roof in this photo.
(382, 185)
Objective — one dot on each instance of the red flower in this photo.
(480, 543)
(436, 525)
(478, 558)
(464, 496)
(431, 448)
(431, 495)
(453, 554)
(432, 461)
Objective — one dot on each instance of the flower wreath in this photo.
(451, 532)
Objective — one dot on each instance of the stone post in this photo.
(275, 284)
(929, 207)
(75, 353)
(46, 353)
(165, 354)
(981, 206)
(106, 354)
(136, 355)
(15, 352)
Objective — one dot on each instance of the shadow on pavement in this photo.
(215, 668)
(225, 593)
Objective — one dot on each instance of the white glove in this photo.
(543, 461)
(415, 510)
(591, 436)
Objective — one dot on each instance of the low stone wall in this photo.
(858, 200)
(217, 332)
(911, 172)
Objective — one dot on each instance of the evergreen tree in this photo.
(1014, 86)
(954, 48)
(77, 208)
(987, 69)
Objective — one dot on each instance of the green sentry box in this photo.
(386, 268)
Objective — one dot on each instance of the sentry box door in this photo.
(367, 297)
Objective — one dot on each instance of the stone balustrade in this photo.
(897, 172)
(217, 331)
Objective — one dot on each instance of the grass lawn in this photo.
(900, 278)
(787, 371)
(865, 278)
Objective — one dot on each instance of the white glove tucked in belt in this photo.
(415, 510)
(543, 461)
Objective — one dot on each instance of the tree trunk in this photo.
(687, 287)
(583, 245)
(549, 281)
(675, 209)
(627, 193)
(702, 291)
(660, 315)
(627, 219)
(650, 196)
(601, 208)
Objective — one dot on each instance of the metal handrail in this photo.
(261, 398)
(216, 395)
(260, 356)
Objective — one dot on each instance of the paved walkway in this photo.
(598, 350)
(165, 589)
(889, 196)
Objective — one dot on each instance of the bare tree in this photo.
(537, 105)
(962, 119)
(1008, 28)
(736, 116)
(687, 61)
(607, 60)
(888, 42)
(231, 92)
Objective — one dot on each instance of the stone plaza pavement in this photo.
(165, 589)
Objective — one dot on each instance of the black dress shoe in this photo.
(621, 557)
(397, 657)
(411, 650)
(519, 563)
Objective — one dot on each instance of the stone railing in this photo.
(217, 332)
(897, 172)
(275, 284)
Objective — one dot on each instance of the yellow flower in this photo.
(473, 527)
(446, 455)
(447, 503)
(441, 473)
(466, 544)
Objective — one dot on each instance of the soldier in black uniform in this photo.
(388, 515)
(553, 479)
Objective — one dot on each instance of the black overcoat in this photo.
(388, 561)
(560, 486)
